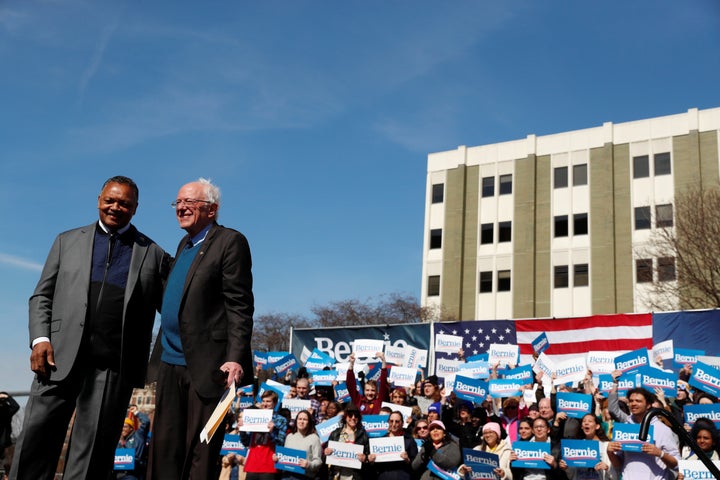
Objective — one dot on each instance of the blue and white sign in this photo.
(387, 449)
(342, 394)
(706, 378)
(480, 460)
(541, 343)
(522, 373)
(575, 405)
(376, 425)
(474, 369)
(442, 473)
(232, 444)
(531, 454)
(630, 362)
(323, 378)
(288, 459)
(288, 362)
(580, 453)
(324, 429)
(260, 359)
(711, 412)
(628, 434)
(124, 459)
(686, 356)
(470, 389)
(652, 378)
(500, 388)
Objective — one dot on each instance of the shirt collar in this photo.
(200, 237)
(107, 230)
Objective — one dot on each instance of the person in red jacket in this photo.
(375, 392)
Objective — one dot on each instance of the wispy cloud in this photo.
(96, 59)
(19, 262)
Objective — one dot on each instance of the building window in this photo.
(486, 282)
(666, 269)
(436, 238)
(642, 218)
(662, 164)
(503, 283)
(560, 177)
(664, 216)
(433, 286)
(580, 224)
(504, 231)
(488, 186)
(580, 175)
(580, 275)
(561, 276)
(641, 166)
(644, 270)
(505, 184)
(486, 233)
(438, 192)
(561, 226)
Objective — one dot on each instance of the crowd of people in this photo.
(441, 426)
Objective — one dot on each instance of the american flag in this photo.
(567, 337)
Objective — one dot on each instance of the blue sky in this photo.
(314, 117)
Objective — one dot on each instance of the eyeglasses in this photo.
(539, 426)
(421, 427)
(352, 415)
(394, 421)
(189, 202)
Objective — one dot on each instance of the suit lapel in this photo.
(85, 251)
(140, 249)
(200, 255)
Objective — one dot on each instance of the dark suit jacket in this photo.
(216, 310)
(58, 307)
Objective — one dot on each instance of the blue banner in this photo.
(124, 459)
(486, 461)
(232, 444)
(325, 428)
(289, 459)
(342, 394)
(523, 373)
(580, 453)
(375, 425)
(288, 362)
(685, 356)
(474, 369)
(274, 357)
(575, 405)
(471, 389)
(706, 378)
(628, 434)
(259, 359)
(323, 378)
(531, 454)
(693, 412)
(630, 362)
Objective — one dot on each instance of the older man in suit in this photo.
(205, 339)
(91, 319)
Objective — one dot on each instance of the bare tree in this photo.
(271, 331)
(691, 251)
(388, 309)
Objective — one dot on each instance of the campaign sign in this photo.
(695, 469)
(541, 343)
(395, 355)
(480, 357)
(405, 377)
(446, 366)
(470, 389)
(575, 405)
(232, 444)
(318, 363)
(710, 412)
(544, 364)
(499, 388)
(628, 434)
(274, 357)
(341, 392)
(600, 362)
(654, 377)
(323, 378)
(415, 357)
(288, 362)
(366, 347)
(256, 420)
(503, 354)
(296, 405)
(374, 371)
(523, 373)
(406, 412)
(344, 454)
(479, 460)
(571, 370)
(375, 425)
(629, 362)
(475, 369)
(124, 459)
(442, 473)
(685, 356)
(448, 343)
(324, 429)
(288, 459)
(387, 449)
(244, 390)
(259, 358)
(270, 385)
(664, 350)
(708, 360)
(531, 454)
(706, 378)
(580, 453)
(246, 401)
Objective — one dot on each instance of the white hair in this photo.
(212, 192)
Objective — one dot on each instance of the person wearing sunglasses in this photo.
(399, 470)
(439, 452)
(351, 430)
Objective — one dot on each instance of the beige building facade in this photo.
(552, 225)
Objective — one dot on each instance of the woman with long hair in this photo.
(591, 428)
(706, 436)
(304, 437)
(398, 470)
(350, 430)
(438, 451)
(493, 443)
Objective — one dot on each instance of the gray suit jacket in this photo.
(58, 307)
